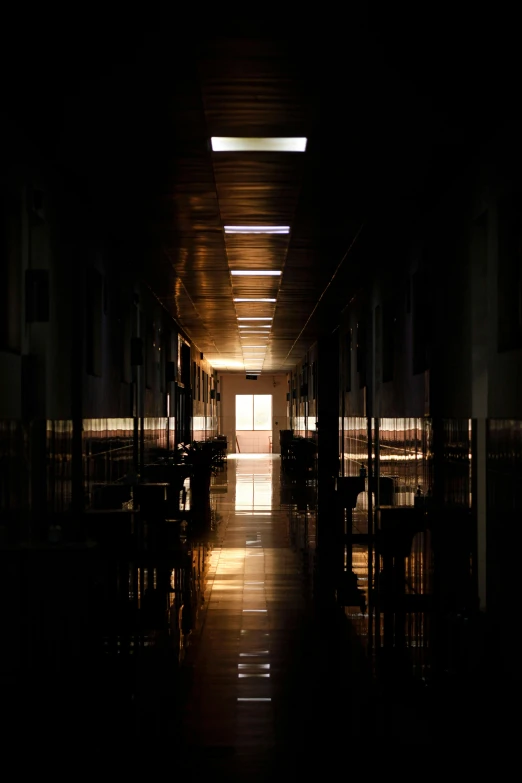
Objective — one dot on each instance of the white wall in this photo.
(231, 384)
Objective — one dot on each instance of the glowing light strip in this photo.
(258, 143)
(257, 229)
(254, 272)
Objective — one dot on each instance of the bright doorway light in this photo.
(258, 144)
(253, 411)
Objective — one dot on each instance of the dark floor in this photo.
(270, 682)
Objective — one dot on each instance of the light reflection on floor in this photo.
(252, 600)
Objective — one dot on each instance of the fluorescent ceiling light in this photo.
(253, 300)
(257, 229)
(255, 272)
(254, 346)
(258, 144)
(254, 318)
(225, 363)
(255, 326)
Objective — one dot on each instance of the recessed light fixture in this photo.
(257, 229)
(254, 346)
(254, 318)
(258, 143)
(251, 299)
(230, 363)
(255, 272)
(255, 326)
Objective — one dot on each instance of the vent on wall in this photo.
(251, 377)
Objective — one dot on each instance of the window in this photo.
(253, 411)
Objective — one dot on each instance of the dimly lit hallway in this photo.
(326, 213)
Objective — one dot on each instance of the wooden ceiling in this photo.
(137, 119)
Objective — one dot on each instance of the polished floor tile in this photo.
(242, 658)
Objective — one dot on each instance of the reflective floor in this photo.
(275, 685)
(244, 655)
(261, 681)
(266, 675)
